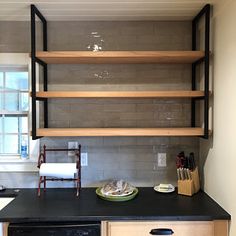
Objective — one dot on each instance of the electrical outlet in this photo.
(84, 159)
(72, 145)
(161, 159)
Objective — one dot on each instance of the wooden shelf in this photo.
(78, 57)
(119, 94)
(61, 132)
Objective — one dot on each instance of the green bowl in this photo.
(116, 198)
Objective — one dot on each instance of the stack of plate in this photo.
(117, 191)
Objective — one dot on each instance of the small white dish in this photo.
(164, 188)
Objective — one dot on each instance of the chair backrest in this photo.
(42, 156)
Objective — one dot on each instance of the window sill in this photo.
(15, 164)
(16, 159)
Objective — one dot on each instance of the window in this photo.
(14, 109)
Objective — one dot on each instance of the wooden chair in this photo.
(70, 171)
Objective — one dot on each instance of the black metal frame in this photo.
(35, 12)
(204, 12)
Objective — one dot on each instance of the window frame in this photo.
(14, 68)
(22, 60)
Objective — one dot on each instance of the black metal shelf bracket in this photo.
(35, 12)
(205, 12)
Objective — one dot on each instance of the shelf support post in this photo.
(35, 12)
(204, 12)
(193, 101)
(206, 66)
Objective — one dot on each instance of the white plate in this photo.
(167, 188)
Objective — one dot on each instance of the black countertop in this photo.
(63, 205)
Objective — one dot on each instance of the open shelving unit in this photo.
(193, 57)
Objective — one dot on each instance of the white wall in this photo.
(219, 154)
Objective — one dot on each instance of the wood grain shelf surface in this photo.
(62, 132)
(119, 94)
(88, 57)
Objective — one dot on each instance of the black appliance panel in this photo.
(54, 229)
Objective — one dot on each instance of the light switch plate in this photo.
(84, 159)
(161, 159)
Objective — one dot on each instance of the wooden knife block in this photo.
(189, 187)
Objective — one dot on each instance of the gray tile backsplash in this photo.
(130, 158)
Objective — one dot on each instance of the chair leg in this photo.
(78, 185)
(44, 184)
(39, 185)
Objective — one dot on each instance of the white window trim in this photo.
(14, 163)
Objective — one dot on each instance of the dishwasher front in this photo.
(55, 229)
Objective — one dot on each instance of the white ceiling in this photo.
(73, 10)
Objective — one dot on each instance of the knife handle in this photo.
(161, 231)
(178, 174)
(192, 159)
